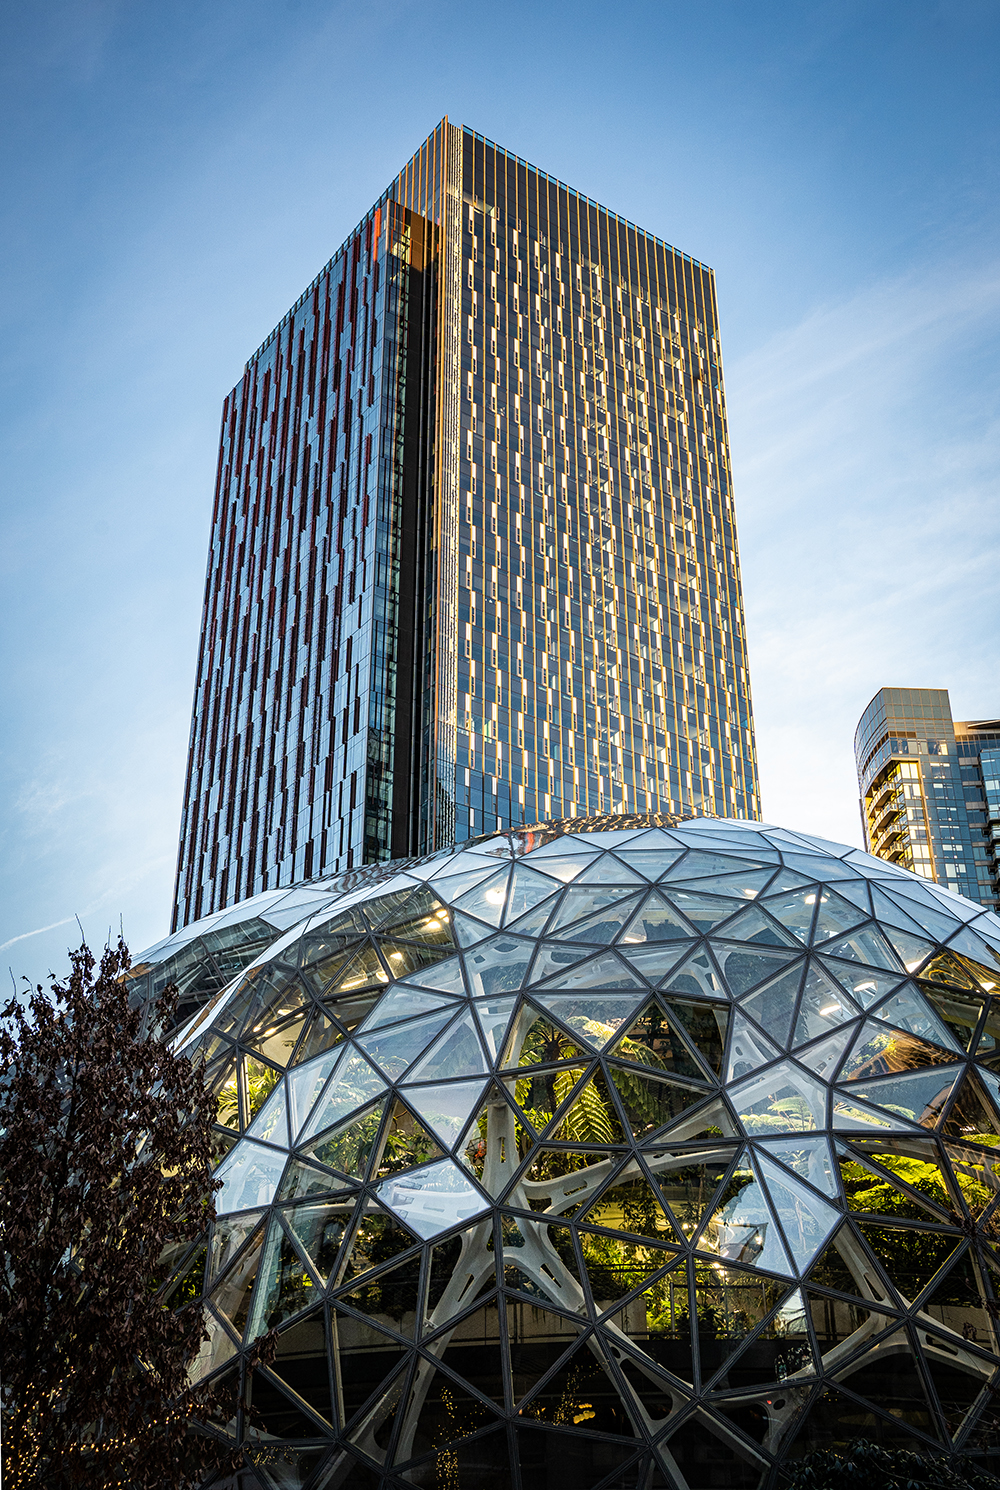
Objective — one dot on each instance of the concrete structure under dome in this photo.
(632, 1154)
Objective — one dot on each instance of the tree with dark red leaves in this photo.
(105, 1182)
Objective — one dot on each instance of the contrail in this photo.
(37, 932)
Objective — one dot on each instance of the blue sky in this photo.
(173, 175)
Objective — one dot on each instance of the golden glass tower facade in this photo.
(474, 557)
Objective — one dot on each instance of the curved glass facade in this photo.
(636, 1152)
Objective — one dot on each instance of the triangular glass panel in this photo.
(972, 1116)
(564, 867)
(634, 1206)
(488, 901)
(498, 966)
(277, 1041)
(705, 1022)
(540, 1095)
(806, 1219)
(697, 863)
(820, 866)
(600, 928)
(919, 1097)
(443, 977)
(958, 1300)
(591, 1116)
(889, 1377)
(527, 890)
(656, 921)
(782, 1099)
(787, 879)
(389, 1299)
(981, 952)
(654, 960)
(536, 1040)
(358, 1340)
(856, 891)
(284, 1286)
(597, 1017)
(217, 1346)
(420, 917)
(908, 1010)
(378, 1238)
(898, 1185)
(752, 925)
(704, 912)
(469, 932)
(554, 957)
(809, 1158)
(227, 1239)
(888, 913)
(881, 1050)
(458, 1052)
(688, 1189)
(353, 1084)
(249, 1175)
(773, 1006)
(951, 970)
(363, 971)
(650, 863)
(865, 986)
(259, 1081)
(494, 1017)
(795, 909)
(825, 1056)
(271, 1123)
(607, 870)
(446, 1109)
(603, 971)
(741, 1227)
(649, 1103)
(712, 1120)
(350, 1145)
(937, 922)
(406, 1143)
(746, 885)
(451, 886)
(301, 1179)
(696, 975)
(533, 922)
(580, 902)
(849, 1114)
(402, 1002)
(320, 1228)
(749, 1049)
(779, 1352)
(433, 1199)
(823, 1008)
(320, 1035)
(835, 915)
(913, 950)
(653, 1041)
(231, 1297)
(394, 1049)
(867, 946)
(744, 969)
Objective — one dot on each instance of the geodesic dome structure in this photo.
(603, 1155)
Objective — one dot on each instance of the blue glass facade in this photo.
(473, 556)
(930, 793)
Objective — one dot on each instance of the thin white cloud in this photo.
(865, 464)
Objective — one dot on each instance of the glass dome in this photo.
(637, 1154)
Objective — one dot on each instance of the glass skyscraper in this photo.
(930, 790)
(473, 559)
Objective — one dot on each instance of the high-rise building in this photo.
(473, 557)
(930, 790)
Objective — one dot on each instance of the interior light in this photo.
(496, 897)
(830, 1009)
